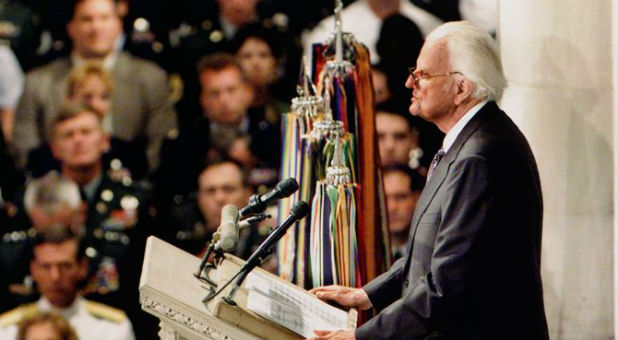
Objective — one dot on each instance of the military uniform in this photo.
(91, 320)
(16, 284)
(117, 225)
(121, 154)
(115, 237)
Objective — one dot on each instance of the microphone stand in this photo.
(240, 277)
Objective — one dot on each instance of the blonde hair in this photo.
(474, 53)
(79, 74)
(59, 323)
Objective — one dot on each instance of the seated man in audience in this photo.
(225, 100)
(57, 266)
(405, 139)
(47, 201)
(117, 222)
(220, 183)
(402, 187)
(397, 137)
(141, 109)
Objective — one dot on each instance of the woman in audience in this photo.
(258, 51)
(46, 325)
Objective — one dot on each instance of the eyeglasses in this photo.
(417, 75)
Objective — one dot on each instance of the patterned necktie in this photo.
(434, 163)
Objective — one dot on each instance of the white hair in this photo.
(52, 193)
(474, 53)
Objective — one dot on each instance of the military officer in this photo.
(117, 219)
(57, 266)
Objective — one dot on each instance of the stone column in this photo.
(558, 57)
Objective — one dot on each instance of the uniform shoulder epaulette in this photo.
(17, 314)
(106, 312)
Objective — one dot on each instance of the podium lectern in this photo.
(267, 307)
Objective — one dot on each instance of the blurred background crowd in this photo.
(122, 119)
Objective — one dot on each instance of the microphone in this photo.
(299, 210)
(257, 203)
(228, 229)
(224, 239)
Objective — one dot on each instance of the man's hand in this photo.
(345, 296)
(341, 334)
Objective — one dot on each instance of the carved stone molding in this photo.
(185, 320)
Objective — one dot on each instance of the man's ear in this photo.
(106, 142)
(248, 93)
(70, 29)
(83, 268)
(464, 90)
(53, 148)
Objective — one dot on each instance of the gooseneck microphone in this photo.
(299, 210)
(257, 203)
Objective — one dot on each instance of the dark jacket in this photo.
(473, 267)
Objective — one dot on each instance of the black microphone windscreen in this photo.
(300, 209)
(287, 187)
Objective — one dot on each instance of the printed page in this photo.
(291, 308)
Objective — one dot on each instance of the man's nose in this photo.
(54, 273)
(220, 196)
(410, 82)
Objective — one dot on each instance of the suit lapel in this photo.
(441, 171)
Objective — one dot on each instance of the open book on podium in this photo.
(267, 306)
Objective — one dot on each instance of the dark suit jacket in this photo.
(473, 268)
(140, 105)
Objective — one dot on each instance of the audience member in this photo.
(92, 85)
(117, 222)
(191, 223)
(46, 325)
(57, 265)
(363, 18)
(403, 138)
(11, 87)
(141, 108)
(397, 136)
(47, 201)
(225, 100)
(222, 183)
(258, 52)
(381, 89)
(402, 187)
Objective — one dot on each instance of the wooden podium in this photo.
(169, 291)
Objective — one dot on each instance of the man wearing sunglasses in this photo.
(472, 268)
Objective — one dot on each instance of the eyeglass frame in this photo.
(416, 79)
